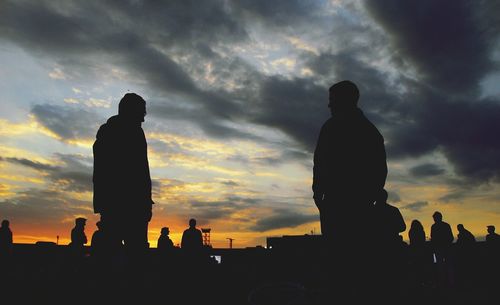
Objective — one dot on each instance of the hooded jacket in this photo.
(122, 182)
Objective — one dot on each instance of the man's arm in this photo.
(318, 169)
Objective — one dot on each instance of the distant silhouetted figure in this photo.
(389, 249)
(349, 164)
(165, 244)
(441, 240)
(122, 183)
(192, 240)
(492, 237)
(465, 257)
(389, 220)
(416, 234)
(78, 237)
(464, 236)
(420, 258)
(5, 238)
(441, 236)
(97, 243)
(349, 171)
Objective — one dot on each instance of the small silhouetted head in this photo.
(80, 221)
(165, 231)
(5, 223)
(192, 223)
(437, 216)
(416, 225)
(132, 107)
(460, 227)
(343, 96)
(491, 229)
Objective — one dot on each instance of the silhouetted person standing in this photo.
(5, 238)
(441, 236)
(416, 234)
(78, 237)
(388, 248)
(349, 172)
(492, 238)
(97, 243)
(389, 220)
(349, 164)
(441, 240)
(420, 258)
(192, 240)
(464, 236)
(465, 257)
(122, 182)
(165, 244)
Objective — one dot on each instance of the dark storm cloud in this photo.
(415, 206)
(67, 122)
(442, 39)
(278, 12)
(74, 175)
(450, 45)
(295, 106)
(464, 130)
(283, 219)
(426, 170)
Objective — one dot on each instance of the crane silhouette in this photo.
(230, 242)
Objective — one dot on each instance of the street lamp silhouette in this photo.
(230, 242)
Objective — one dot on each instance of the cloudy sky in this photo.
(236, 94)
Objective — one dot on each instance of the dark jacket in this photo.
(192, 240)
(441, 235)
(349, 160)
(122, 183)
(78, 237)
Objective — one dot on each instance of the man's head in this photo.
(5, 223)
(165, 231)
(192, 223)
(460, 227)
(437, 216)
(491, 229)
(343, 96)
(80, 221)
(132, 107)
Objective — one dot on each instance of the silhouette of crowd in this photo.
(363, 252)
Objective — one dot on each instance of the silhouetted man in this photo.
(349, 165)
(349, 172)
(192, 240)
(464, 236)
(78, 237)
(441, 236)
(388, 248)
(122, 183)
(5, 238)
(492, 237)
(97, 243)
(389, 221)
(165, 244)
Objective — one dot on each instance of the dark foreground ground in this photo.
(47, 274)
